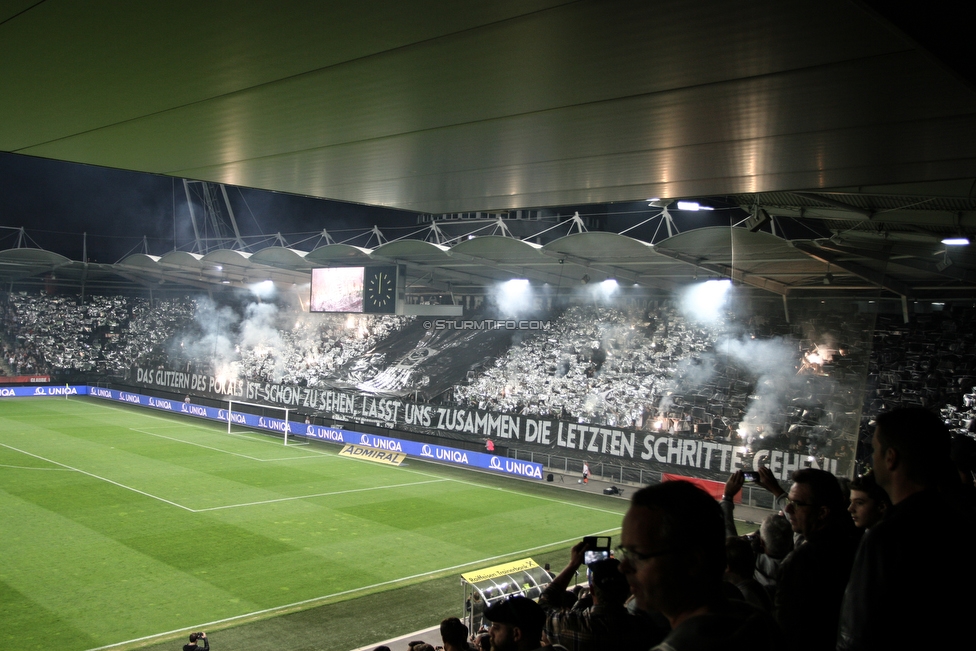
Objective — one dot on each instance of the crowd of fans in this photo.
(282, 347)
(876, 564)
(929, 362)
(646, 368)
(105, 334)
(656, 370)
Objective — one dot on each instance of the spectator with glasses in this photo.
(813, 576)
(673, 555)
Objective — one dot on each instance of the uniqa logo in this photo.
(426, 452)
(331, 434)
(455, 456)
(495, 463)
(524, 469)
(364, 440)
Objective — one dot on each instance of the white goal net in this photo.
(248, 417)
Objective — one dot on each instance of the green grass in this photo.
(121, 524)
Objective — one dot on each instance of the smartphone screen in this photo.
(599, 549)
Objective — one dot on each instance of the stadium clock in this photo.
(380, 290)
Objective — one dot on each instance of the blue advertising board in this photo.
(481, 460)
(47, 390)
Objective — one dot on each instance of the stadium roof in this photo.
(840, 114)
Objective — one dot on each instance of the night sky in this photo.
(56, 202)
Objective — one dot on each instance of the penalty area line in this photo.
(302, 497)
(300, 605)
(3, 465)
(89, 474)
(209, 447)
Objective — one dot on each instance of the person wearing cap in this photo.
(194, 640)
(516, 624)
(604, 624)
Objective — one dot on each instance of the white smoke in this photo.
(705, 302)
(260, 332)
(214, 337)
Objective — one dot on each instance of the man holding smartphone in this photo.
(599, 622)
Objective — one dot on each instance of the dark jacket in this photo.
(734, 626)
(913, 584)
(811, 586)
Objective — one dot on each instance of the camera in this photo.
(750, 476)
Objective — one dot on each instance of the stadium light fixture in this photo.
(704, 301)
(956, 240)
(692, 206)
(515, 286)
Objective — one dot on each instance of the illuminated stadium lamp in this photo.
(263, 289)
(956, 240)
(515, 286)
(609, 283)
(693, 206)
(704, 301)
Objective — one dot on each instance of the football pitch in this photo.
(122, 525)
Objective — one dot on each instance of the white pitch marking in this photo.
(208, 426)
(469, 483)
(199, 445)
(3, 465)
(114, 483)
(305, 602)
(301, 497)
(226, 506)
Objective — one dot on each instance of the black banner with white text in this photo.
(654, 450)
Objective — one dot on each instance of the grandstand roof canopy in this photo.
(850, 118)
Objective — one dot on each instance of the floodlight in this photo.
(956, 240)
(704, 301)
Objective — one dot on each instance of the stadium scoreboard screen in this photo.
(358, 290)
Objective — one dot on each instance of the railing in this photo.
(752, 495)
